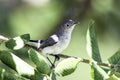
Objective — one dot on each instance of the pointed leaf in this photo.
(115, 59)
(67, 66)
(92, 45)
(93, 50)
(16, 63)
(40, 61)
(17, 42)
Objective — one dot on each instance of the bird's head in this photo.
(66, 27)
(69, 24)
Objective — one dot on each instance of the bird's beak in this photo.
(77, 23)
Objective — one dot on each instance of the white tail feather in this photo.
(36, 44)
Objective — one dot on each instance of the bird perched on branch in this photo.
(56, 43)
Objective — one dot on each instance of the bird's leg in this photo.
(57, 57)
(50, 61)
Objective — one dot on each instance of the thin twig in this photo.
(87, 61)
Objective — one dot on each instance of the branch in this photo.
(87, 61)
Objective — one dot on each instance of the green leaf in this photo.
(67, 66)
(53, 76)
(6, 75)
(93, 51)
(113, 77)
(17, 42)
(115, 59)
(40, 61)
(117, 74)
(16, 63)
(38, 76)
(92, 45)
(2, 39)
(98, 73)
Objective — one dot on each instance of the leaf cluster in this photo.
(43, 70)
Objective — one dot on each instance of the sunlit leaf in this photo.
(93, 51)
(113, 77)
(17, 42)
(6, 75)
(53, 76)
(117, 74)
(98, 73)
(92, 45)
(40, 61)
(16, 63)
(2, 38)
(46, 77)
(67, 66)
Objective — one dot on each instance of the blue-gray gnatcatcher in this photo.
(56, 43)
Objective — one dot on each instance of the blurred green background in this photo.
(40, 18)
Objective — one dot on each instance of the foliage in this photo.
(43, 70)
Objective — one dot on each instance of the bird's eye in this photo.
(67, 24)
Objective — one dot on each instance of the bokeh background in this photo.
(41, 18)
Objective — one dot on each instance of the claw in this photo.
(52, 66)
(56, 59)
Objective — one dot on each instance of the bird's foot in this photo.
(52, 66)
(57, 57)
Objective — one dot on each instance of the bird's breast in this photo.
(58, 47)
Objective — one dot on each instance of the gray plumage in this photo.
(56, 43)
(59, 41)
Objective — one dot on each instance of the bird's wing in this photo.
(49, 42)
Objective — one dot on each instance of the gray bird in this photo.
(56, 43)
